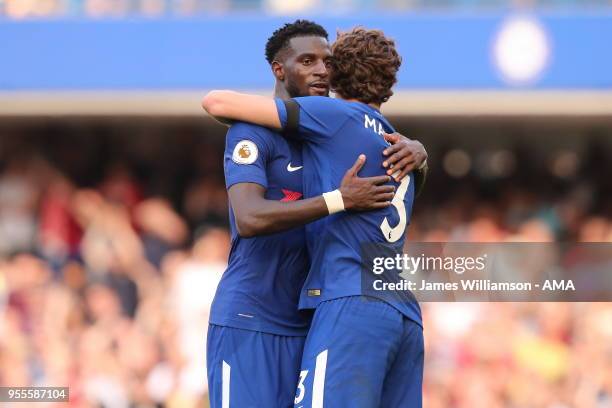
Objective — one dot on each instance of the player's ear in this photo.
(278, 70)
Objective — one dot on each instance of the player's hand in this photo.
(403, 156)
(367, 193)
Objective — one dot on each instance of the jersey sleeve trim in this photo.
(282, 111)
(242, 178)
(293, 116)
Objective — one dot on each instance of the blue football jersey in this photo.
(334, 132)
(261, 286)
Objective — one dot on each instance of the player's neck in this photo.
(280, 91)
(373, 105)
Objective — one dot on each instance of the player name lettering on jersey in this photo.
(373, 124)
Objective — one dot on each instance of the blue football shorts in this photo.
(252, 369)
(361, 353)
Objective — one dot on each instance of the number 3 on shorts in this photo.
(318, 384)
(301, 391)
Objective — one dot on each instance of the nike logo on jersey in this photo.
(292, 169)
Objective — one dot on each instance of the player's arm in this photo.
(405, 154)
(255, 215)
(273, 113)
(230, 105)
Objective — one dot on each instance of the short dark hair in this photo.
(281, 37)
(364, 65)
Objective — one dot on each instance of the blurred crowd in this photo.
(103, 290)
(185, 8)
(523, 355)
(106, 281)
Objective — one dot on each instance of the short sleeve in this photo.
(247, 150)
(282, 111)
(320, 117)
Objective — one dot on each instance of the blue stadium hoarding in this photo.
(440, 51)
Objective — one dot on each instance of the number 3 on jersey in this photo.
(395, 233)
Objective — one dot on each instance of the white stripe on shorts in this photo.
(225, 385)
(318, 385)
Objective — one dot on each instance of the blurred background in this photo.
(113, 211)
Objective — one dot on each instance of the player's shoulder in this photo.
(244, 128)
(260, 139)
(322, 104)
(258, 134)
(323, 100)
